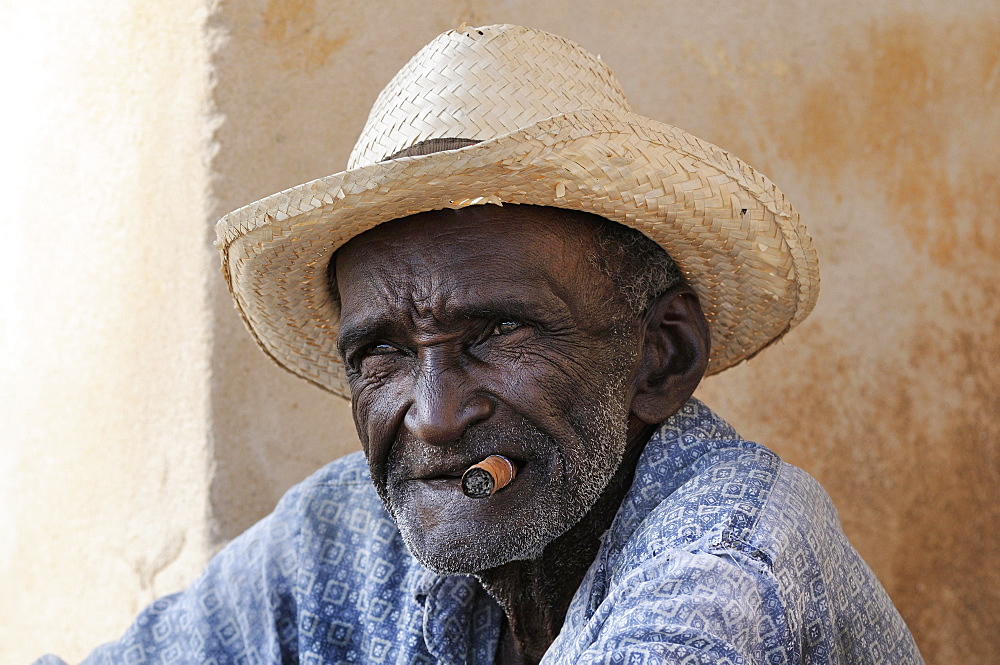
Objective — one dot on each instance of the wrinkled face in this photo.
(478, 332)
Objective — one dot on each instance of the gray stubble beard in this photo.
(604, 424)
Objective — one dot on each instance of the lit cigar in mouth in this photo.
(486, 478)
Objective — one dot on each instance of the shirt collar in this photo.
(461, 621)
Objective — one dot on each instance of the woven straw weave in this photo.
(555, 130)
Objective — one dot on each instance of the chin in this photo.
(451, 533)
(451, 553)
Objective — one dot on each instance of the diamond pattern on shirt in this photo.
(720, 553)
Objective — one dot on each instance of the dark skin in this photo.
(488, 331)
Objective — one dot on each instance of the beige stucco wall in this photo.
(104, 260)
(877, 120)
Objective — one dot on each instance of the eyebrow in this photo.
(508, 308)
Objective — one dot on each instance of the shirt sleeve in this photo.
(240, 610)
(691, 608)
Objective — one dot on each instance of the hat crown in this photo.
(481, 83)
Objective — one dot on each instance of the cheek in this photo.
(378, 410)
(548, 386)
(582, 398)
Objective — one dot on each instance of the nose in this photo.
(445, 403)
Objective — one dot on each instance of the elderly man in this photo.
(515, 267)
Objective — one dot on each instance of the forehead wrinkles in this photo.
(423, 293)
(428, 299)
(427, 268)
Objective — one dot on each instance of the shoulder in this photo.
(700, 486)
(724, 514)
(741, 497)
(344, 477)
(339, 496)
(715, 499)
(798, 514)
(346, 471)
(672, 574)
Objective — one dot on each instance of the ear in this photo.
(673, 355)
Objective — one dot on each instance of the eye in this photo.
(505, 327)
(380, 350)
(374, 350)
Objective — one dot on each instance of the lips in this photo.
(454, 471)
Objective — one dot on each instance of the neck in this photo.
(535, 594)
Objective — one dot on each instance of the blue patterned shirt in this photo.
(720, 553)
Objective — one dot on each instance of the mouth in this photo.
(452, 473)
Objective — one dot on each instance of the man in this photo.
(515, 265)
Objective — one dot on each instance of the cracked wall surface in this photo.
(875, 119)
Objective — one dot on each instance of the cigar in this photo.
(489, 476)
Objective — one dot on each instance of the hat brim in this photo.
(730, 230)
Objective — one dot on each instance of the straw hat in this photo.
(553, 129)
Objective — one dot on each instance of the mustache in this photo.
(410, 458)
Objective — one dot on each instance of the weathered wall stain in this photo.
(888, 110)
(293, 25)
(885, 114)
(890, 393)
(953, 370)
